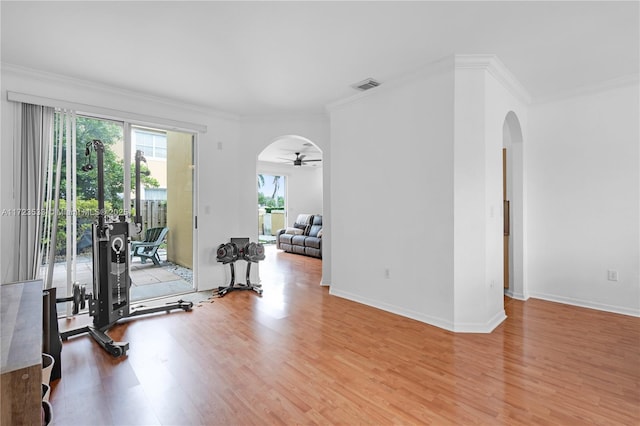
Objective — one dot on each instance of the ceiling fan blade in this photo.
(301, 156)
(307, 161)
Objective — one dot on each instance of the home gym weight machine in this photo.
(109, 301)
(229, 253)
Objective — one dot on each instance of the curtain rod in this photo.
(108, 113)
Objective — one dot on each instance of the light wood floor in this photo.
(300, 356)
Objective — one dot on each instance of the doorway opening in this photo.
(166, 204)
(513, 196)
(292, 165)
(271, 206)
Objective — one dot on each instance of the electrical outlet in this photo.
(612, 275)
(387, 273)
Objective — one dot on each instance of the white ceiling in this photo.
(253, 58)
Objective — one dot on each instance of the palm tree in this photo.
(260, 181)
(276, 186)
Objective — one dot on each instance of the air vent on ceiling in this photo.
(367, 84)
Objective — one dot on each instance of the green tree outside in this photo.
(109, 133)
(273, 201)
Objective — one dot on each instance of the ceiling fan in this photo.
(299, 160)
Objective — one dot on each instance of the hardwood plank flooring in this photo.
(300, 356)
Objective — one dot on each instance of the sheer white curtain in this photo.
(31, 162)
(39, 161)
(65, 132)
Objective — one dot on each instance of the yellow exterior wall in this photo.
(277, 221)
(180, 198)
(158, 168)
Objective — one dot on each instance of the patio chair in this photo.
(148, 248)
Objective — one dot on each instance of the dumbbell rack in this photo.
(228, 254)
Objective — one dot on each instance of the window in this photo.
(153, 144)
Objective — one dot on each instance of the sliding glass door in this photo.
(73, 182)
(166, 202)
(271, 206)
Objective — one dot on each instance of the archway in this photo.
(295, 162)
(513, 187)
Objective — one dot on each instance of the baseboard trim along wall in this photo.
(487, 327)
(438, 322)
(586, 304)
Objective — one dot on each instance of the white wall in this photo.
(583, 200)
(392, 196)
(216, 193)
(470, 208)
(305, 192)
(432, 145)
(485, 92)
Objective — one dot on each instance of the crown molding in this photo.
(432, 68)
(497, 69)
(60, 79)
(318, 117)
(332, 106)
(589, 89)
(489, 63)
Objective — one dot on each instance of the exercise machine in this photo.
(109, 301)
(229, 253)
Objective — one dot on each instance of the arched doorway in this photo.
(294, 163)
(513, 192)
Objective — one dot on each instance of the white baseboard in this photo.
(587, 304)
(438, 322)
(518, 296)
(487, 327)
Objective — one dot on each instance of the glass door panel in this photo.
(78, 205)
